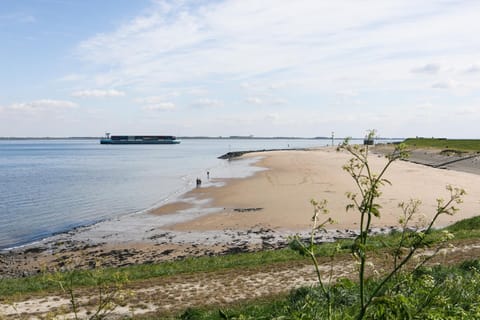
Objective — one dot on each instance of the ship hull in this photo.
(139, 140)
(109, 141)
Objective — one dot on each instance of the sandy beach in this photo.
(279, 198)
(253, 213)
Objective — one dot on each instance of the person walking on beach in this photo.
(199, 182)
(208, 175)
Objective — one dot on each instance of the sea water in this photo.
(52, 186)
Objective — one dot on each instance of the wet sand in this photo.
(248, 214)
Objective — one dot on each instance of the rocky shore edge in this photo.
(62, 253)
(237, 154)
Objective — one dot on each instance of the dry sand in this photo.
(279, 197)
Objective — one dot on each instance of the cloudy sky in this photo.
(219, 68)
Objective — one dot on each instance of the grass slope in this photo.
(464, 229)
(84, 278)
(451, 144)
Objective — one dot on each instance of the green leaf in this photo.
(297, 245)
(374, 210)
(222, 314)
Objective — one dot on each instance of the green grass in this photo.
(41, 283)
(466, 229)
(450, 144)
(262, 309)
(465, 225)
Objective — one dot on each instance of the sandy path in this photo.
(188, 290)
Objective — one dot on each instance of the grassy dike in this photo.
(464, 230)
(465, 145)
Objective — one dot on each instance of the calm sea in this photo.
(52, 186)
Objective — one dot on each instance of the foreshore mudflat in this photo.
(246, 214)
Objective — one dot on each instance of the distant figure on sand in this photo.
(199, 182)
(208, 175)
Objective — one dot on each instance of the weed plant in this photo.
(365, 202)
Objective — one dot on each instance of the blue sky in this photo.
(267, 68)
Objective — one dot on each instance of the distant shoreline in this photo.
(205, 138)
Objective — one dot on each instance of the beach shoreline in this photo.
(244, 214)
(279, 198)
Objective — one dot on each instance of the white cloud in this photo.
(98, 93)
(277, 86)
(469, 111)
(429, 68)
(208, 103)
(425, 106)
(278, 101)
(254, 100)
(346, 93)
(150, 100)
(261, 87)
(448, 84)
(266, 100)
(158, 99)
(326, 58)
(41, 105)
(161, 106)
(246, 85)
(197, 91)
(272, 117)
(179, 42)
(474, 68)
